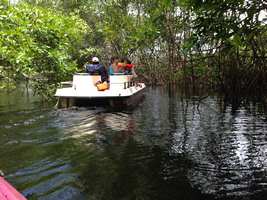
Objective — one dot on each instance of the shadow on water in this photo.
(173, 146)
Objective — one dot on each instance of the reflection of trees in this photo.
(138, 173)
(222, 153)
(175, 148)
(139, 165)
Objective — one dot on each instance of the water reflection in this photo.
(171, 147)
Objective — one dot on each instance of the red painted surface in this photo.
(8, 192)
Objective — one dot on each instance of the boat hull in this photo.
(112, 102)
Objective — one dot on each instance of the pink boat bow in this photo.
(8, 192)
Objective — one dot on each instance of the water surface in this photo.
(170, 147)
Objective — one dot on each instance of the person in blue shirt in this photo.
(95, 68)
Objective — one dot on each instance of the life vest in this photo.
(102, 86)
(127, 66)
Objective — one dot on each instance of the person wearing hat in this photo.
(95, 68)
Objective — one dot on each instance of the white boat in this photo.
(123, 92)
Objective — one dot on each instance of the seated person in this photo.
(128, 67)
(98, 69)
(114, 68)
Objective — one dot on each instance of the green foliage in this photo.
(39, 44)
(172, 40)
(226, 21)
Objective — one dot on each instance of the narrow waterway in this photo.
(170, 147)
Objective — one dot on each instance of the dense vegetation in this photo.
(220, 44)
(38, 44)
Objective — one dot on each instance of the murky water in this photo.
(170, 147)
